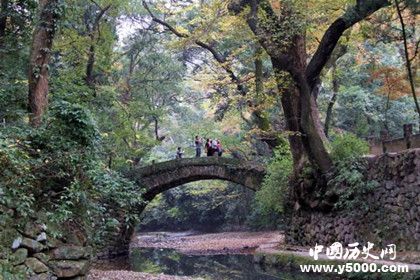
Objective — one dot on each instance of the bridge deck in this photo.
(162, 176)
(201, 161)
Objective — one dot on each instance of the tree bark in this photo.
(156, 122)
(292, 111)
(39, 58)
(90, 80)
(312, 134)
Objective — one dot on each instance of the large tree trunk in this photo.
(311, 138)
(291, 108)
(38, 65)
(312, 132)
(315, 112)
(126, 95)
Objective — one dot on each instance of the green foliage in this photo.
(74, 123)
(348, 145)
(9, 272)
(350, 182)
(269, 200)
(57, 167)
(361, 106)
(203, 205)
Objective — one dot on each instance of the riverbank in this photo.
(119, 268)
(264, 243)
(187, 243)
(267, 248)
(131, 275)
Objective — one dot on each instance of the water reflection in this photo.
(220, 267)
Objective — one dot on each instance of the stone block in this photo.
(32, 245)
(42, 257)
(53, 243)
(43, 276)
(41, 237)
(36, 265)
(19, 256)
(68, 268)
(16, 243)
(69, 253)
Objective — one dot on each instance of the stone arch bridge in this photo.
(160, 177)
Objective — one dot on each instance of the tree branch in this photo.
(216, 55)
(99, 16)
(353, 15)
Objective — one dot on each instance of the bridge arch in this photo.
(160, 177)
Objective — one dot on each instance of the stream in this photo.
(209, 266)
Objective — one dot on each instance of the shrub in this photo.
(54, 175)
(268, 206)
(352, 184)
(347, 146)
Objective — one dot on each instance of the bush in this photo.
(268, 206)
(352, 184)
(347, 146)
(54, 175)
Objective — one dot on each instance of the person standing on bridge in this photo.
(219, 148)
(213, 146)
(208, 148)
(198, 144)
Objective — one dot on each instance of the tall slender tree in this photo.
(42, 41)
(407, 57)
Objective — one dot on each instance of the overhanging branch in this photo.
(353, 15)
(221, 59)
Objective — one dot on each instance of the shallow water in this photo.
(218, 267)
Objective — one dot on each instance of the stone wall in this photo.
(393, 215)
(36, 256)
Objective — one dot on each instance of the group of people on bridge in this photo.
(212, 147)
